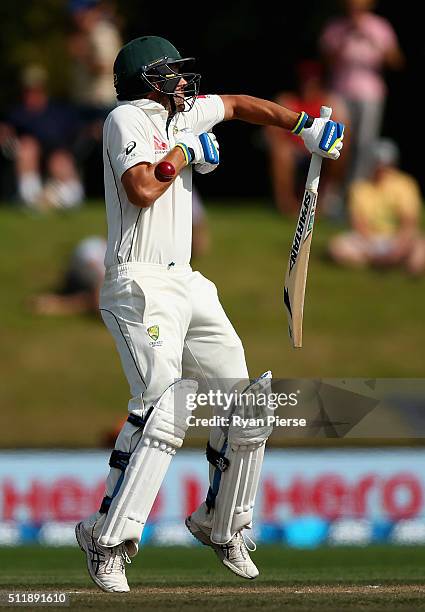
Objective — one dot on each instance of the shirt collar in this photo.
(146, 105)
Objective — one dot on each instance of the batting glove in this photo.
(206, 167)
(200, 149)
(321, 136)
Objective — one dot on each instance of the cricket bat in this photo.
(296, 274)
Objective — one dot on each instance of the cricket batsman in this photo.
(167, 321)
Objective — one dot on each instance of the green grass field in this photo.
(191, 579)
(59, 372)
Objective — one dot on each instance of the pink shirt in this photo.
(358, 53)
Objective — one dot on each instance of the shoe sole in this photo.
(83, 545)
(200, 536)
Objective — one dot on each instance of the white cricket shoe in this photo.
(234, 554)
(106, 565)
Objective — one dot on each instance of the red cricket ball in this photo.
(164, 171)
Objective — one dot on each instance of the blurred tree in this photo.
(33, 33)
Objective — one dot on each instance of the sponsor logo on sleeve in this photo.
(159, 145)
(131, 145)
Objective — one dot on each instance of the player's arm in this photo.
(321, 136)
(141, 183)
(257, 111)
(130, 154)
(144, 183)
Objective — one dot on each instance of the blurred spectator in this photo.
(8, 147)
(385, 218)
(200, 231)
(41, 132)
(289, 158)
(83, 277)
(357, 47)
(93, 44)
(79, 291)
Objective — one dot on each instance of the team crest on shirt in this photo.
(153, 332)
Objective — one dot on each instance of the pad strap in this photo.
(215, 485)
(138, 485)
(139, 421)
(217, 459)
(104, 506)
(119, 459)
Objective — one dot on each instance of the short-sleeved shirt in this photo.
(358, 54)
(382, 205)
(133, 133)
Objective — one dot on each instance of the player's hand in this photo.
(324, 137)
(206, 167)
(198, 149)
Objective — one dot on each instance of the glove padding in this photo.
(200, 149)
(324, 137)
(207, 167)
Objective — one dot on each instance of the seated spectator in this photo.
(45, 132)
(385, 216)
(84, 274)
(289, 158)
(85, 271)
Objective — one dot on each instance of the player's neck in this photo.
(162, 99)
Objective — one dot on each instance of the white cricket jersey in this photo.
(136, 132)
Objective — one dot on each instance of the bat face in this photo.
(304, 226)
(296, 274)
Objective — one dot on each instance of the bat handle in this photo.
(325, 112)
(313, 176)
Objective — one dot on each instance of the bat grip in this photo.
(325, 112)
(313, 177)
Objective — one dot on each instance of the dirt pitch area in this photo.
(371, 597)
(386, 578)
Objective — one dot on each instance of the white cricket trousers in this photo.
(168, 323)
